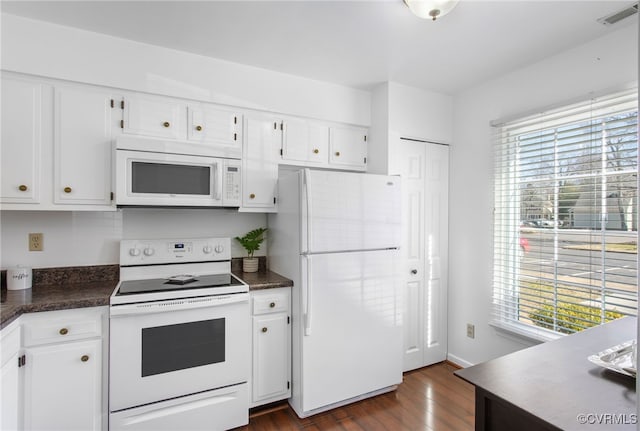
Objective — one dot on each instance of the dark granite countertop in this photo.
(263, 279)
(60, 289)
(91, 286)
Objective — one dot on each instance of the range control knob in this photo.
(149, 251)
(134, 251)
(207, 249)
(219, 248)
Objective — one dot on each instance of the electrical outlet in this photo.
(471, 330)
(35, 241)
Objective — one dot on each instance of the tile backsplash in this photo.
(93, 238)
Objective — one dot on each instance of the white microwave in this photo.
(146, 174)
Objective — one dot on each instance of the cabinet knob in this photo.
(166, 124)
(316, 151)
(67, 189)
(84, 358)
(272, 305)
(199, 128)
(337, 153)
(414, 271)
(64, 331)
(252, 196)
(264, 329)
(23, 188)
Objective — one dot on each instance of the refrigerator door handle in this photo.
(308, 218)
(306, 294)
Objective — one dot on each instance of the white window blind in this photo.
(565, 221)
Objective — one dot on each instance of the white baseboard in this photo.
(458, 361)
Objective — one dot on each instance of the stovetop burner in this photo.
(131, 287)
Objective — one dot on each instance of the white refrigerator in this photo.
(336, 235)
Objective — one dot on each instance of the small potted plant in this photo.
(251, 242)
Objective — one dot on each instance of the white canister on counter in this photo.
(19, 278)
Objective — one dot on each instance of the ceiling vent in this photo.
(620, 15)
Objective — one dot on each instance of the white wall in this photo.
(601, 64)
(401, 111)
(50, 50)
(93, 238)
(41, 48)
(422, 114)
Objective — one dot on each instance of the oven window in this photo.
(170, 179)
(185, 345)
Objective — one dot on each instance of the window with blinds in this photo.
(566, 220)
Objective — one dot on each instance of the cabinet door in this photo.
(21, 141)
(271, 367)
(84, 120)
(154, 116)
(10, 378)
(303, 141)
(216, 126)
(9, 391)
(63, 386)
(348, 147)
(260, 163)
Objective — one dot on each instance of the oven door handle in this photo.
(177, 304)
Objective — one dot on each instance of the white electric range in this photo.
(179, 337)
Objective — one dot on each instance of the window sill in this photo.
(524, 333)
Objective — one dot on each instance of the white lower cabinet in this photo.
(10, 378)
(271, 371)
(63, 386)
(63, 369)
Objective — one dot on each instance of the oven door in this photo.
(167, 349)
(147, 178)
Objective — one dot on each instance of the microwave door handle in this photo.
(218, 175)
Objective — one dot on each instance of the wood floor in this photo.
(430, 398)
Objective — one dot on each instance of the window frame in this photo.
(506, 223)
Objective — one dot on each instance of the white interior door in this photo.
(424, 168)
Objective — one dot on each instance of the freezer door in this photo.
(347, 211)
(352, 342)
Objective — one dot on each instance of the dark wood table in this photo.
(552, 386)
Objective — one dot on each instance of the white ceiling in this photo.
(354, 43)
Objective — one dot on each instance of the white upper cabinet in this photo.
(21, 148)
(348, 147)
(305, 141)
(261, 151)
(211, 125)
(84, 122)
(154, 116)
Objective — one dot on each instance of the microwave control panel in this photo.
(231, 183)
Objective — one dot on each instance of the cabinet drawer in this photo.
(270, 303)
(59, 326)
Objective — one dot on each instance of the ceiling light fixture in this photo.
(431, 8)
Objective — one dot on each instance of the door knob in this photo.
(414, 271)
